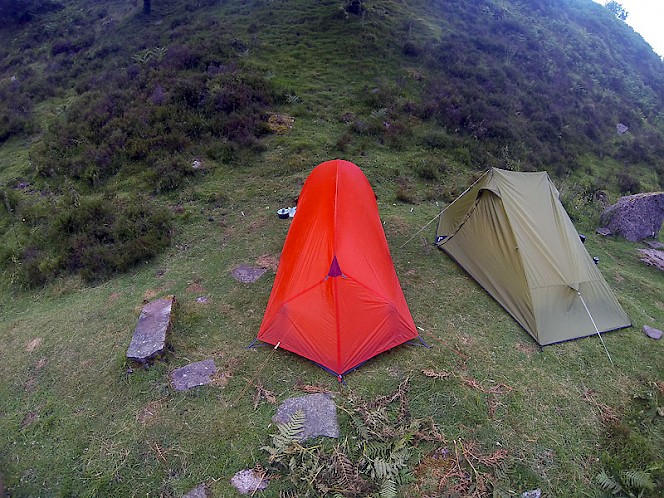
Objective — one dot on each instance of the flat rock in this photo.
(604, 231)
(248, 482)
(534, 493)
(652, 332)
(247, 274)
(654, 244)
(151, 333)
(199, 491)
(320, 415)
(653, 257)
(635, 217)
(193, 375)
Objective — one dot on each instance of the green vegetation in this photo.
(144, 152)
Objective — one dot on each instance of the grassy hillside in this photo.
(106, 109)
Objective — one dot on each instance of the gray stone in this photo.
(193, 375)
(635, 217)
(320, 415)
(202, 300)
(653, 257)
(151, 333)
(247, 274)
(604, 231)
(199, 491)
(248, 482)
(652, 332)
(654, 244)
(535, 493)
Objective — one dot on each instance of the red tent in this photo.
(336, 298)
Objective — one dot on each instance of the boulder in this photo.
(151, 333)
(635, 217)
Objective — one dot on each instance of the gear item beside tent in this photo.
(510, 232)
(336, 298)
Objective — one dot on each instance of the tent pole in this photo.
(439, 214)
(595, 325)
(421, 229)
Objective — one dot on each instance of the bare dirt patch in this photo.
(268, 261)
(29, 419)
(527, 349)
(258, 223)
(41, 363)
(33, 344)
(195, 288)
(150, 294)
(30, 385)
(149, 413)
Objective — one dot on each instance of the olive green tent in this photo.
(510, 232)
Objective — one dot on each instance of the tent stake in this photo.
(595, 325)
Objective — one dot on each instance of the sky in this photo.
(646, 17)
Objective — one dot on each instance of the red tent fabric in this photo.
(336, 299)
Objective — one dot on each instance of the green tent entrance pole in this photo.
(444, 209)
(595, 325)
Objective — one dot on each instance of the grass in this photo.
(75, 422)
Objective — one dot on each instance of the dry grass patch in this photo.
(149, 414)
(33, 344)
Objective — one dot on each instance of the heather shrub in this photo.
(169, 173)
(95, 237)
(123, 120)
(628, 184)
(15, 112)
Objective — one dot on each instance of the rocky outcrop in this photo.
(635, 217)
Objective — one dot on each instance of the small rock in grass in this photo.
(247, 482)
(320, 415)
(535, 493)
(652, 332)
(247, 274)
(193, 375)
(199, 491)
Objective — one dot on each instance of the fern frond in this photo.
(288, 434)
(388, 489)
(292, 430)
(608, 483)
(637, 480)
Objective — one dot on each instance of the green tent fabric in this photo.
(510, 232)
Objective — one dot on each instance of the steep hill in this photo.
(111, 99)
